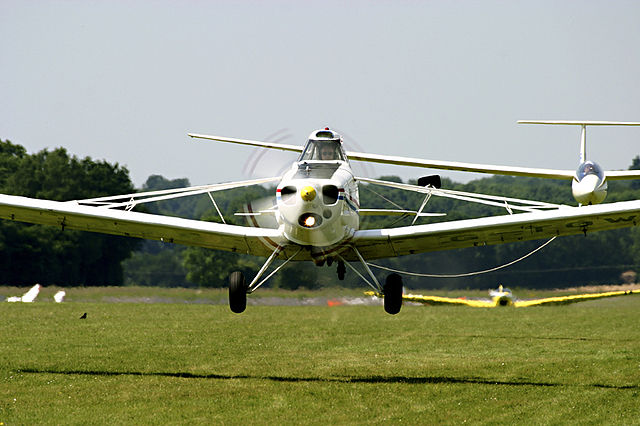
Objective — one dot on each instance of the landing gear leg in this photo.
(393, 294)
(238, 287)
(341, 270)
(237, 292)
(375, 285)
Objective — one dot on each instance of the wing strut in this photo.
(216, 206)
(422, 206)
(253, 286)
(377, 287)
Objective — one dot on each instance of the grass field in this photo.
(167, 363)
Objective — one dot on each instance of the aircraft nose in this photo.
(308, 193)
(590, 190)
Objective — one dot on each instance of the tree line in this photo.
(48, 255)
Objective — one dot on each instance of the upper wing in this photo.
(433, 164)
(405, 161)
(485, 168)
(240, 239)
(561, 300)
(272, 145)
(464, 167)
(379, 243)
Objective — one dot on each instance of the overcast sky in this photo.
(125, 81)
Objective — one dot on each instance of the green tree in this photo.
(635, 165)
(161, 267)
(157, 263)
(211, 268)
(34, 253)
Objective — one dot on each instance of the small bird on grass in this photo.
(84, 316)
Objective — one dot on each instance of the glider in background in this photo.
(504, 297)
(28, 297)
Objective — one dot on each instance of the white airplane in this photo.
(28, 297)
(316, 216)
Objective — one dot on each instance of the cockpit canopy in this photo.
(589, 168)
(323, 145)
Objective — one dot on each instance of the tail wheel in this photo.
(237, 292)
(393, 294)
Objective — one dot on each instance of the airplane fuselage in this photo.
(317, 199)
(589, 185)
(502, 296)
(318, 203)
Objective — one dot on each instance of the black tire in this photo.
(341, 270)
(237, 292)
(393, 294)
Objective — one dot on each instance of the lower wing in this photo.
(71, 215)
(391, 242)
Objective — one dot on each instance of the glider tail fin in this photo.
(31, 295)
(583, 125)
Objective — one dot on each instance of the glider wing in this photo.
(563, 300)
(437, 300)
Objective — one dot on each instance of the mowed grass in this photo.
(168, 363)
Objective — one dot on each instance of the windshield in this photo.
(323, 151)
(589, 168)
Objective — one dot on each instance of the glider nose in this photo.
(308, 193)
(590, 190)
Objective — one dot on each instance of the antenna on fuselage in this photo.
(583, 124)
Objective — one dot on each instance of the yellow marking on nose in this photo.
(308, 193)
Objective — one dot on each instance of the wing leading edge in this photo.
(70, 215)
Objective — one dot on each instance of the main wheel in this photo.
(393, 294)
(237, 292)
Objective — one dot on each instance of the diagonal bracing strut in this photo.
(376, 284)
(255, 284)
